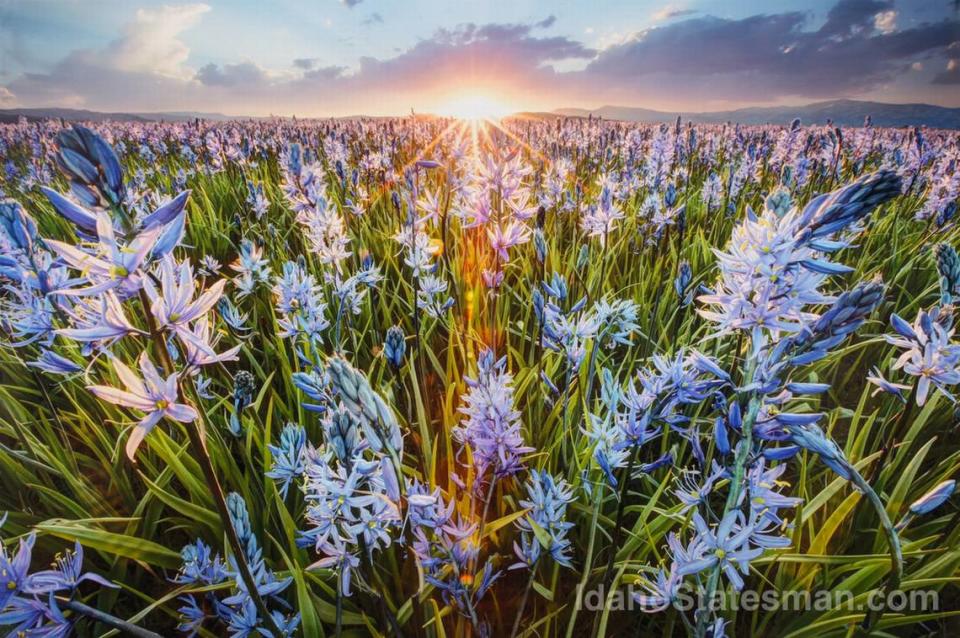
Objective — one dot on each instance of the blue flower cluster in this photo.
(236, 611)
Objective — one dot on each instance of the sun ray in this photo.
(475, 106)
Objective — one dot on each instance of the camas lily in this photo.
(153, 395)
(173, 305)
(114, 266)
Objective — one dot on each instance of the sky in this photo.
(382, 57)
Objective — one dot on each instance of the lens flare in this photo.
(474, 106)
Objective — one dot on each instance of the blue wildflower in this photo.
(394, 346)
(289, 456)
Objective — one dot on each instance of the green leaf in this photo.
(138, 549)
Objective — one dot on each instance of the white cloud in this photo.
(150, 43)
(612, 39)
(670, 11)
(885, 21)
(6, 96)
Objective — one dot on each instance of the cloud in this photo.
(850, 17)
(150, 43)
(373, 18)
(493, 52)
(350, 3)
(546, 23)
(772, 56)
(501, 57)
(242, 74)
(325, 73)
(146, 60)
(6, 96)
(951, 75)
(885, 21)
(698, 60)
(305, 63)
(671, 11)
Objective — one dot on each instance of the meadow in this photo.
(437, 377)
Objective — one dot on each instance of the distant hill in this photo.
(841, 112)
(12, 115)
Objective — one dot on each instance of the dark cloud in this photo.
(546, 23)
(514, 38)
(325, 73)
(771, 56)
(504, 58)
(76, 82)
(848, 17)
(305, 63)
(950, 76)
(679, 13)
(373, 18)
(702, 46)
(350, 3)
(242, 74)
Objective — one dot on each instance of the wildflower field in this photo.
(438, 377)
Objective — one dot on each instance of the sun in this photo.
(474, 106)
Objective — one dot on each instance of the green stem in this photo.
(625, 476)
(523, 601)
(196, 433)
(893, 541)
(104, 618)
(733, 497)
(585, 577)
(891, 439)
(339, 619)
(474, 621)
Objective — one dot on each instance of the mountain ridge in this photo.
(839, 112)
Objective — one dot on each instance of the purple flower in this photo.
(693, 490)
(98, 319)
(547, 500)
(492, 424)
(929, 352)
(113, 266)
(35, 618)
(174, 306)
(338, 557)
(896, 389)
(66, 575)
(722, 547)
(933, 499)
(13, 570)
(503, 237)
(198, 345)
(54, 363)
(289, 457)
(153, 395)
(661, 592)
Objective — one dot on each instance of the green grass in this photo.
(63, 472)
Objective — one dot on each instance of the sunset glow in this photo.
(474, 106)
(471, 60)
